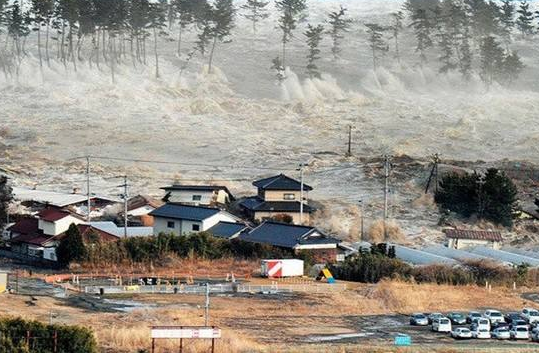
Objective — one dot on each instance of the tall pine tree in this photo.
(222, 23)
(255, 11)
(338, 25)
(290, 13)
(524, 20)
(377, 42)
(314, 37)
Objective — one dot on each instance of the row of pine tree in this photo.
(464, 36)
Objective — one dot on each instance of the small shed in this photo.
(463, 238)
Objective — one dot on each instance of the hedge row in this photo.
(21, 336)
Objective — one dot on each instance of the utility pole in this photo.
(125, 196)
(349, 152)
(301, 194)
(387, 166)
(89, 203)
(207, 306)
(362, 208)
(433, 173)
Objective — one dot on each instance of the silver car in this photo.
(519, 333)
(501, 333)
(461, 333)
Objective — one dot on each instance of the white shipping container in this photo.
(282, 268)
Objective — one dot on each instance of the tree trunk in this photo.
(155, 51)
(47, 44)
(180, 41)
(39, 48)
(112, 58)
(211, 54)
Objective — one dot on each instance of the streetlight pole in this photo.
(301, 194)
(362, 208)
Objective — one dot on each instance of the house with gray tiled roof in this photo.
(278, 196)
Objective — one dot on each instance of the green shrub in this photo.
(13, 337)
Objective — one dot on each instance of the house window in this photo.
(197, 197)
(196, 227)
(171, 225)
(289, 196)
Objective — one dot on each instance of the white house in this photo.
(198, 195)
(462, 238)
(55, 222)
(183, 219)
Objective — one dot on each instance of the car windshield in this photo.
(444, 321)
(475, 314)
(464, 330)
(496, 314)
(502, 330)
(522, 329)
(419, 316)
(456, 315)
(533, 313)
(484, 330)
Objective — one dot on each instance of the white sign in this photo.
(185, 332)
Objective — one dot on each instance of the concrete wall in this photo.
(186, 197)
(279, 195)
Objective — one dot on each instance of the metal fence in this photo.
(217, 288)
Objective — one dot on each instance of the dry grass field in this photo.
(253, 323)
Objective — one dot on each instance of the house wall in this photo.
(278, 195)
(186, 197)
(468, 243)
(181, 227)
(58, 227)
(50, 254)
(261, 216)
(223, 197)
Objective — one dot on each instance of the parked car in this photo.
(419, 319)
(442, 324)
(433, 316)
(480, 324)
(511, 316)
(481, 333)
(531, 315)
(517, 323)
(519, 333)
(494, 316)
(457, 318)
(535, 335)
(472, 315)
(461, 333)
(501, 333)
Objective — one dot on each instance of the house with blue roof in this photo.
(183, 219)
(298, 238)
(278, 196)
(228, 230)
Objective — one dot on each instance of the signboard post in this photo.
(187, 332)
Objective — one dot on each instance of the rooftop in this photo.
(141, 201)
(179, 211)
(287, 235)
(281, 182)
(257, 204)
(52, 198)
(473, 234)
(227, 229)
(53, 214)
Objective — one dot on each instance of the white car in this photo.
(531, 315)
(481, 333)
(481, 324)
(441, 325)
(494, 316)
(501, 333)
(519, 333)
(461, 332)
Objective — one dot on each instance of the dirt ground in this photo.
(363, 318)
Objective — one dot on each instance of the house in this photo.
(298, 238)
(198, 195)
(461, 238)
(228, 230)
(139, 207)
(119, 232)
(183, 219)
(278, 196)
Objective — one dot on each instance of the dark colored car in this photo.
(510, 317)
(457, 318)
(496, 325)
(472, 315)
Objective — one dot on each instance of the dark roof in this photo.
(281, 182)
(178, 211)
(25, 226)
(473, 234)
(196, 187)
(52, 214)
(227, 229)
(34, 239)
(256, 204)
(287, 235)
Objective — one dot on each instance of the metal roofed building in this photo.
(182, 219)
(295, 237)
(227, 230)
(418, 257)
(464, 238)
(506, 256)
